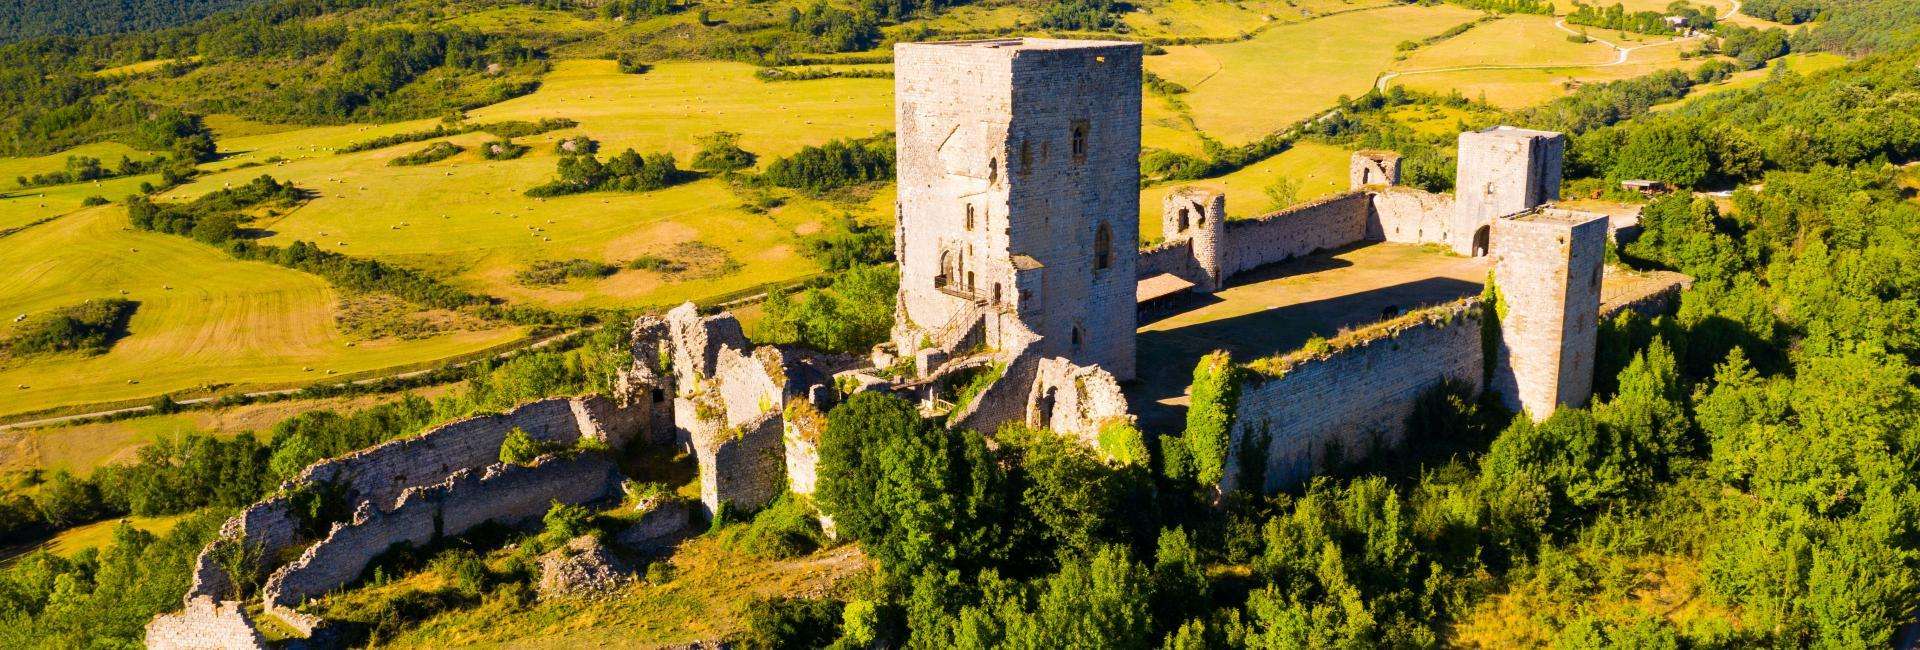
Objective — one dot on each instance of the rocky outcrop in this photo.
(584, 568)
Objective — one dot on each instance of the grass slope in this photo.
(1244, 90)
(204, 317)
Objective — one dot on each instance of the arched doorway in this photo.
(1480, 241)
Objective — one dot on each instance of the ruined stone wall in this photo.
(803, 425)
(504, 493)
(204, 625)
(1006, 399)
(1405, 215)
(1321, 225)
(381, 473)
(1361, 391)
(1076, 400)
(1175, 257)
(743, 466)
(268, 525)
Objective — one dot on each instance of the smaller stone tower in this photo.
(1547, 266)
(1502, 170)
(1197, 214)
(1373, 167)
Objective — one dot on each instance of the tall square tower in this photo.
(1019, 172)
(1547, 266)
(1502, 170)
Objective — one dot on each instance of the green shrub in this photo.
(1216, 392)
(720, 152)
(503, 149)
(520, 448)
(90, 327)
(836, 164)
(435, 152)
(784, 529)
(546, 273)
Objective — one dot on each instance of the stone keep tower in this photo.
(1547, 266)
(1502, 170)
(1370, 167)
(1197, 214)
(1019, 193)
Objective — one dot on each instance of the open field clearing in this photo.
(109, 154)
(1805, 63)
(203, 318)
(1317, 169)
(1213, 19)
(19, 208)
(467, 217)
(80, 448)
(1514, 39)
(1519, 88)
(1244, 90)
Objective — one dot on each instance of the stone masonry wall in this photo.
(505, 493)
(1076, 400)
(381, 473)
(268, 525)
(204, 625)
(1404, 215)
(1300, 230)
(743, 467)
(1175, 257)
(1355, 394)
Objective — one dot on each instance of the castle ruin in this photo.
(1018, 242)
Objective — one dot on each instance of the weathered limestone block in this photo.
(1373, 168)
(204, 625)
(268, 525)
(697, 342)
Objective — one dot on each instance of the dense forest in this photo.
(36, 18)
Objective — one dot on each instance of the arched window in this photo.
(1026, 157)
(1079, 335)
(1102, 247)
(993, 169)
(1079, 141)
(969, 282)
(1182, 226)
(946, 270)
(996, 293)
(969, 216)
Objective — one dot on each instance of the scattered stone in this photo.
(582, 569)
(665, 519)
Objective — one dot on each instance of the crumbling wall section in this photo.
(1004, 400)
(382, 473)
(1355, 396)
(1321, 225)
(204, 625)
(742, 467)
(1075, 400)
(504, 493)
(648, 383)
(804, 423)
(1405, 215)
(268, 525)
